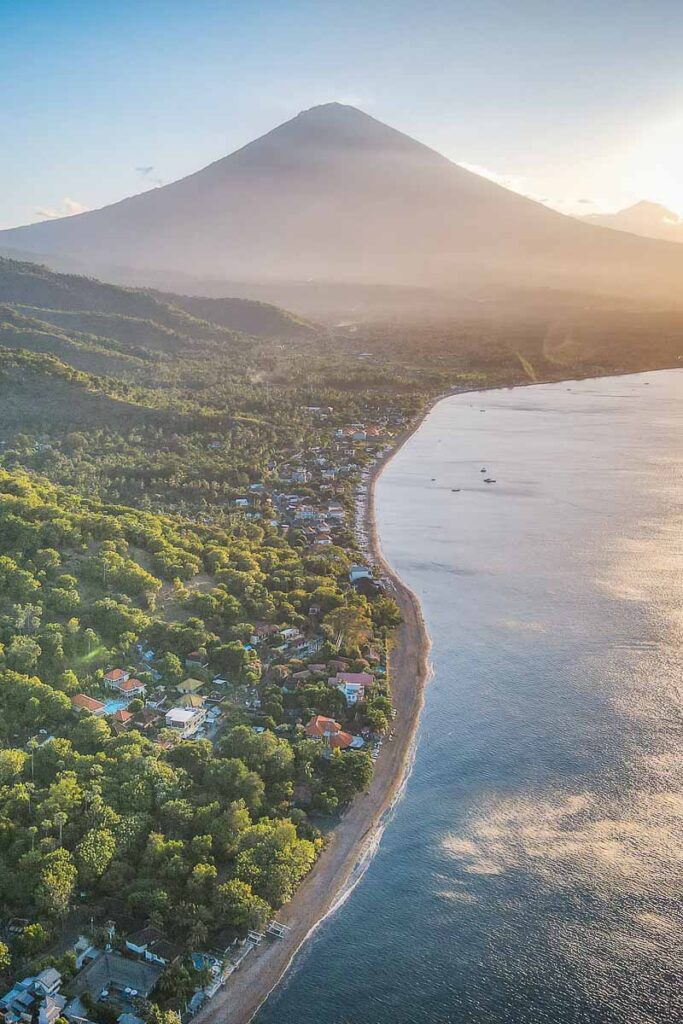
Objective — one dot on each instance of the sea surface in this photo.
(532, 872)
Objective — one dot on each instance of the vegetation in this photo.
(174, 495)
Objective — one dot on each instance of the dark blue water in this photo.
(533, 871)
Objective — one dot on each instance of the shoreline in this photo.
(352, 841)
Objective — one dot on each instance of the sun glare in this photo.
(657, 165)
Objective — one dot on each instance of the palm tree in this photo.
(60, 820)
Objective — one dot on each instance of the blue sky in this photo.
(564, 101)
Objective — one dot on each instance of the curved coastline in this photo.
(342, 864)
(353, 841)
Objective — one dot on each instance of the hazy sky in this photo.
(565, 101)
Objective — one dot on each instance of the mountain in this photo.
(335, 198)
(651, 220)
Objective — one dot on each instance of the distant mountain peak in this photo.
(646, 218)
(649, 207)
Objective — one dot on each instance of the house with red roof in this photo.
(329, 732)
(121, 720)
(132, 688)
(81, 702)
(123, 716)
(114, 678)
(121, 681)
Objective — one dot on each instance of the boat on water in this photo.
(489, 480)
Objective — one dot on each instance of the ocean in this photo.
(532, 872)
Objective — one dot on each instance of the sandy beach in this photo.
(251, 985)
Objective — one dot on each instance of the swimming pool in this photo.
(114, 705)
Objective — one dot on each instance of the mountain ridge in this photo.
(30, 284)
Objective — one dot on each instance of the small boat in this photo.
(454, 490)
(488, 480)
(482, 470)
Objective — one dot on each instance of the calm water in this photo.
(533, 871)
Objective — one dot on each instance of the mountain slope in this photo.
(261, 319)
(40, 392)
(651, 220)
(31, 330)
(188, 316)
(30, 284)
(334, 195)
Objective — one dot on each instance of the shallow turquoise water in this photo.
(533, 871)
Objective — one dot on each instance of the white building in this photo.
(186, 721)
(352, 691)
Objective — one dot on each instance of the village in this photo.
(113, 976)
(112, 971)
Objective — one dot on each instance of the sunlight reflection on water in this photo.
(533, 872)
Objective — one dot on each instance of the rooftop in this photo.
(131, 684)
(109, 970)
(181, 715)
(82, 702)
(190, 686)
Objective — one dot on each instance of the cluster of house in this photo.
(32, 997)
(288, 641)
(191, 715)
(105, 975)
(358, 432)
(316, 521)
(125, 687)
(353, 685)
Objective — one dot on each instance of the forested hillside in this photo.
(259, 318)
(90, 302)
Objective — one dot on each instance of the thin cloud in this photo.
(511, 181)
(524, 187)
(148, 174)
(69, 208)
